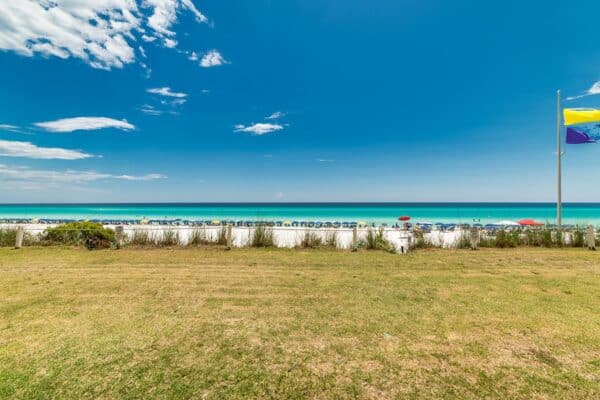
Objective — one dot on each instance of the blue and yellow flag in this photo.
(578, 116)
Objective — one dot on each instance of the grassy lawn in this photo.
(210, 324)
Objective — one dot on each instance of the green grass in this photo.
(204, 323)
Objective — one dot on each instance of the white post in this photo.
(229, 236)
(475, 238)
(119, 236)
(354, 238)
(591, 238)
(19, 237)
(559, 162)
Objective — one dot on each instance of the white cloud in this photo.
(29, 150)
(102, 33)
(212, 59)
(259, 129)
(10, 128)
(170, 43)
(276, 115)
(148, 39)
(595, 89)
(149, 177)
(84, 123)
(150, 110)
(193, 56)
(325, 160)
(166, 91)
(21, 174)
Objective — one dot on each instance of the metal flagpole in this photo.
(559, 158)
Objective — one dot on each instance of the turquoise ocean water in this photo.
(574, 213)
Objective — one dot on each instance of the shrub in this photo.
(578, 238)
(311, 241)
(463, 241)
(331, 240)
(8, 237)
(91, 234)
(547, 238)
(222, 236)
(421, 242)
(140, 238)
(377, 241)
(507, 239)
(167, 238)
(262, 237)
(198, 238)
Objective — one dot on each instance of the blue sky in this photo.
(370, 101)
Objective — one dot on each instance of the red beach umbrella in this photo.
(530, 222)
(404, 218)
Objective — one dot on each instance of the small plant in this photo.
(8, 237)
(487, 241)
(262, 237)
(463, 241)
(578, 238)
(421, 242)
(222, 236)
(140, 238)
(331, 240)
(376, 241)
(507, 239)
(198, 238)
(311, 241)
(547, 238)
(91, 234)
(168, 238)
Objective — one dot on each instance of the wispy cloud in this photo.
(10, 128)
(325, 160)
(150, 110)
(212, 59)
(259, 129)
(276, 115)
(170, 43)
(27, 174)
(595, 89)
(101, 33)
(167, 92)
(84, 124)
(29, 150)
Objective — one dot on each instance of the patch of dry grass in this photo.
(273, 323)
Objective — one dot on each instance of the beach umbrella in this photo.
(507, 223)
(530, 222)
(404, 218)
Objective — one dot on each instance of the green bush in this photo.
(8, 237)
(140, 238)
(578, 238)
(311, 241)
(262, 237)
(91, 234)
(331, 240)
(464, 241)
(222, 236)
(508, 239)
(167, 238)
(376, 241)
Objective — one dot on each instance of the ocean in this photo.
(573, 213)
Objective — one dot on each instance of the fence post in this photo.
(475, 238)
(229, 236)
(591, 238)
(19, 237)
(354, 239)
(119, 236)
